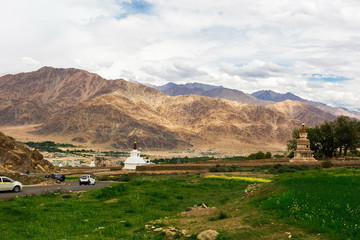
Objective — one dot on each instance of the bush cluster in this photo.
(259, 155)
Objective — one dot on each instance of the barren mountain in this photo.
(200, 89)
(304, 112)
(172, 123)
(33, 97)
(86, 108)
(269, 95)
(115, 121)
(16, 157)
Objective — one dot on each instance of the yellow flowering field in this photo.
(247, 179)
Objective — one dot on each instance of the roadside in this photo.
(69, 186)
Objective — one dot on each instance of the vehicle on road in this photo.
(87, 179)
(7, 184)
(57, 176)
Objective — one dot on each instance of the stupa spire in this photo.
(303, 128)
(135, 144)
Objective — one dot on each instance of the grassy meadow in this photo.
(116, 212)
(318, 200)
(313, 204)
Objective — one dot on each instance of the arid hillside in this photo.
(16, 157)
(84, 108)
(298, 110)
(173, 89)
(33, 97)
(268, 95)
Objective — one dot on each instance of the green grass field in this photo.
(318, 200)
(315, 204)
(92, 216)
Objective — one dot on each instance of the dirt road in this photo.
(70, 186)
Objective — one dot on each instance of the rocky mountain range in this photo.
(263, 98)
(268, 95)
(173, 89)
(84, 108)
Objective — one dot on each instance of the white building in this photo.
(135, 159)
(92, 164)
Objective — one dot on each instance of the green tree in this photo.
(346, 134)
(325, 139)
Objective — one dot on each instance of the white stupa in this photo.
(92, 164)
(134, 159)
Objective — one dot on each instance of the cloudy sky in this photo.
(310, 47)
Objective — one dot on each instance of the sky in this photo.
(310, 47)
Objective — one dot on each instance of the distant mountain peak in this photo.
(269, 95)
(207, 90)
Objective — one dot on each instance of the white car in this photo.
(87, 180)
(7, 184)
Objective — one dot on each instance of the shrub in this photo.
(221, 215)
(252, 156)
(127, 224)
(326, 164)
(192, 237)
(259, 155)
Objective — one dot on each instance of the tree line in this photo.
(331, 139)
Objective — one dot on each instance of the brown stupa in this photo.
(303, 152)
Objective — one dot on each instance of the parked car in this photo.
(7, 184)
(87, 179)
(57, 176)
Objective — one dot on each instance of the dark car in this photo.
(57, 176)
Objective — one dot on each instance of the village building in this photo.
(135, 160)
(303, 152)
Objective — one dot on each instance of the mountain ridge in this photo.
(265, 97)
(85, 108)
(270, 95)
(173, 89)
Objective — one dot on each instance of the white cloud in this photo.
(30, 61)
(248, 45)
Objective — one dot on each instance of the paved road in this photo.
(70, 186)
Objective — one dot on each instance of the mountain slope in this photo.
(33, 97)
(101, 122)
(269, 95)
(200, 89)
(304, 112)
(173, 123)
(83, 107)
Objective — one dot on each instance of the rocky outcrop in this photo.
(17, 157)
(208, 235)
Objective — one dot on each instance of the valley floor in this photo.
(23, 133)
(313, 204)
